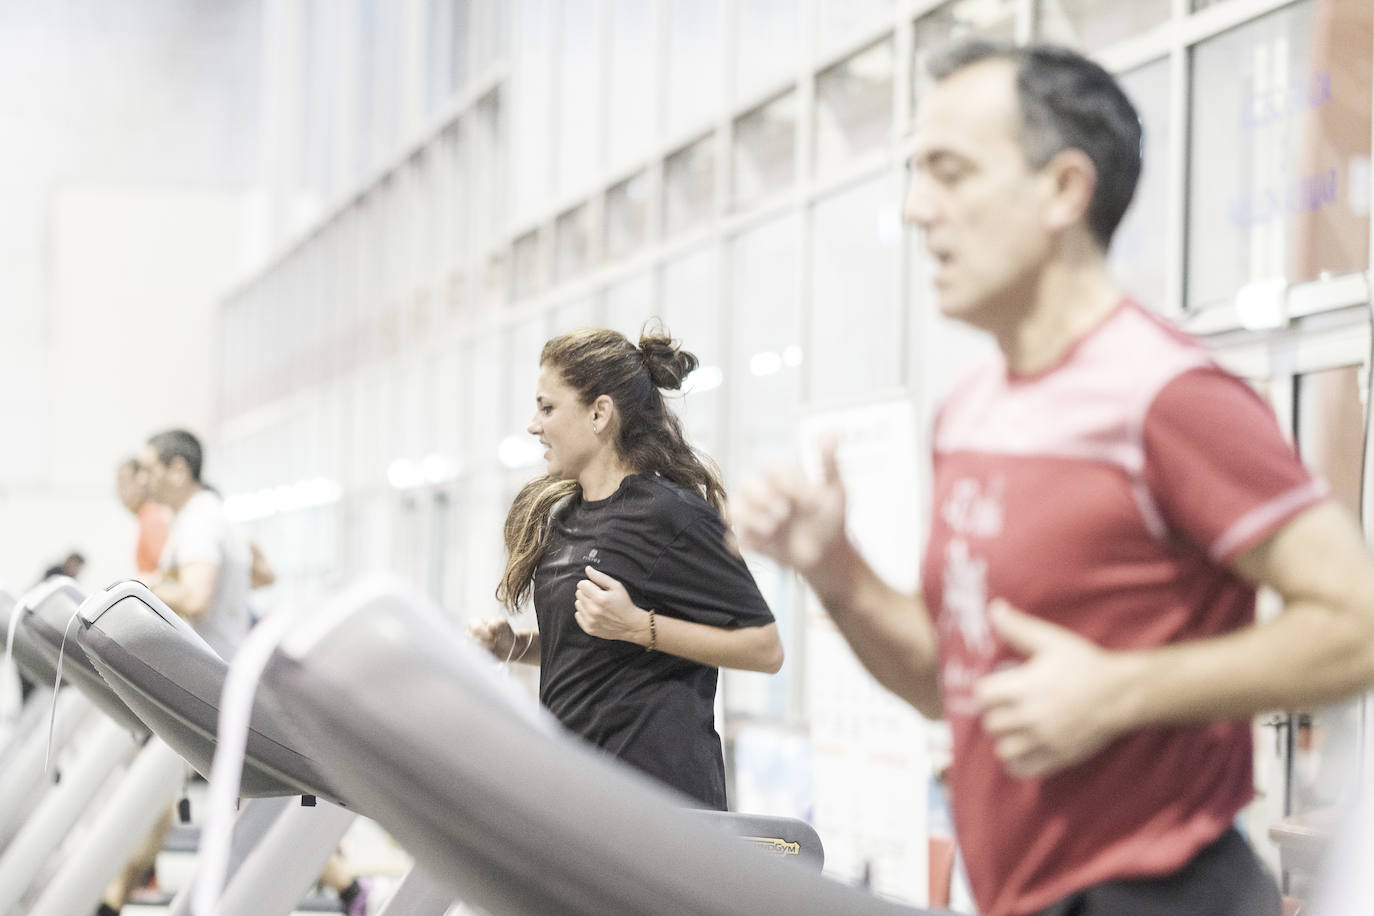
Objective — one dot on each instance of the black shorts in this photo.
(1224, 879)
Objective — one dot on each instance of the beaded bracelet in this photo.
(653, 634)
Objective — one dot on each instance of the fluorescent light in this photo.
(403, 474)
(438, 468)
(519, 451)
(765, 363)
(287, 497)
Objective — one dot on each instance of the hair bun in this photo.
(667, 363)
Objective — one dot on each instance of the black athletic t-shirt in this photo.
(666, 545)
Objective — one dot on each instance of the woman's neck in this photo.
(602, 478)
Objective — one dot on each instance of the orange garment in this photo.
(154, 521)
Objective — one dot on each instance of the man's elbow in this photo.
(194, 611)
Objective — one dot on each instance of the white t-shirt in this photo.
(202, 533)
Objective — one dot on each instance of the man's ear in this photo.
(1072, 179)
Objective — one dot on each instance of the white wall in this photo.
(132, 141)
(135, 276)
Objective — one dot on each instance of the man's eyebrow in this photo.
(938, 156)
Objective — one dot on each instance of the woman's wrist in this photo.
(652, 644)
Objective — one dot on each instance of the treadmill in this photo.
(409, 720)
(46, 631)
(37, 813)
(130, 639)
(162, 669)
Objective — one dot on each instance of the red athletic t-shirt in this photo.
(154, 523)
(1106, 494)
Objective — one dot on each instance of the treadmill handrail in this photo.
(97, 604)
(44, 590)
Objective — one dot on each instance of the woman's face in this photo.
(563, 425)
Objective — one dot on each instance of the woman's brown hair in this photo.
(649, 438)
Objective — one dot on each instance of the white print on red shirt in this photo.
(972, 512)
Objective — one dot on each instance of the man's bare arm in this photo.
(800, 523)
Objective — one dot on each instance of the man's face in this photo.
(974, 197)
(129, 485)
(155, 476)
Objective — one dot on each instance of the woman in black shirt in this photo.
(622, 546)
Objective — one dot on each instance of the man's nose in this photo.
(918, 204)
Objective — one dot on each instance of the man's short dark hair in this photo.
(178, 443)
(1067, 102)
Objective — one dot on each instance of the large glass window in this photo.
(412, 395)
(1139, 249)
(385, 78)
(572, 233)
(765, 150)
(856, 323)
(954, 21)
(485, 128)
(525, 342)
(364, 127)
(764, 377)
(627, 216)
(483, 405)
(695, 58)
(854, 106)
(633, 80)
(689, 186)
(494, 279)
(527, 265)
(629, 304)
(531, 110)
(582, 312)
(579, 95)
(839, 21)
(454, 219)
(446, 35)
(322, 39)
(1094, 24)
(768, 40)
(1324, 771)
(450, 419)
(488, 27)
(691, 311)
(1280, 143)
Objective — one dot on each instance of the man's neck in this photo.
(177, 500)
(1067, 301)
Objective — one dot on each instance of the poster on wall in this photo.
(871, 761)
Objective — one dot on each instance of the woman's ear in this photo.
(603, 411)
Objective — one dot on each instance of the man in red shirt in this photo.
(154, 519)
(1105, 502)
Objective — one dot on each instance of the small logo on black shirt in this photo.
(592, 557)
